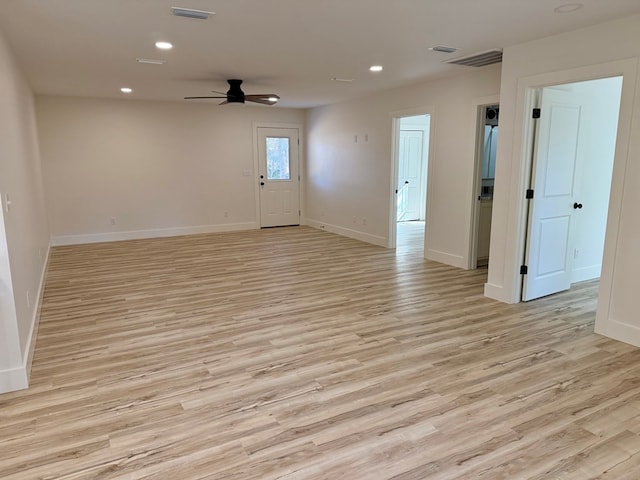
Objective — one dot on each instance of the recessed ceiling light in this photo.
(150, 60)
(164, 45)
(443, 49)
(126, 90)
(376, 68)
(568, 7)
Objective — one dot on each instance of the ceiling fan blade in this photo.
(194, 98)
(224, 103)
(265, 99)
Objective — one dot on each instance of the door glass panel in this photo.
(278, 158)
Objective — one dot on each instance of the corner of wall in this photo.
(497, 292)
(18, 378)
(31, 344)
(13, 379)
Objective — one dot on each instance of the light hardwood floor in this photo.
(298, 354)
(410, 238)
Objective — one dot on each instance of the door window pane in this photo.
(278, 158)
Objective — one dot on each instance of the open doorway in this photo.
(412, 153)
(486, 146)
(570, 183)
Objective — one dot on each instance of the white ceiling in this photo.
(289, 47)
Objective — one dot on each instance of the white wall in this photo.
(345, 179)
(602, 50)
(25, 240)
(157, 168)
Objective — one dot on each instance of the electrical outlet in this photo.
(28, 300)
(355, 220)
(364, 221)
(576, 253)
(226, 214)
(355, 139)
(113, 220)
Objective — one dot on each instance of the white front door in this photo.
(548, 252)
(410, 174)
(278, 176)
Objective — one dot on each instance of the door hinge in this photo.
(299, 212)
(536, 113)
(523, 270)
(529, 194)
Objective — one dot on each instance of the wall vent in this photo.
(479, 59)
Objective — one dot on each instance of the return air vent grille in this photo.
(479, 60)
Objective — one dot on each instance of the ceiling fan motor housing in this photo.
(235, 93)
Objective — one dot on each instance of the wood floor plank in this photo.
(293, 353)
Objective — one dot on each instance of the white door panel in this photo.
(279, 176)
(410, 173)
(548, 247)
(554, 237)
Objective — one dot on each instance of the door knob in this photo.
(577, 205)
(262, 184)
(406, 182)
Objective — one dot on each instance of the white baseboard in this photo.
(586, 273)
(35, 322)
(18, 378)
(155, 233)
(348, 232)
(622, 332)
(13, 379)
(446, 258)
(497, 292)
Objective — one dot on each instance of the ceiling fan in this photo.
(236, 95)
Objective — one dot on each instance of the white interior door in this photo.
(548, 252)
(279, 176)
(410, 174)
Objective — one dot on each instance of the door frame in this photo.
(523, 146)
(256, 166)
(479, 104)
(395, 143)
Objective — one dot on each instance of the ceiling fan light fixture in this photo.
(126, 90)
(376, 68)
(164, 45)
(191, 13)
(235, 95)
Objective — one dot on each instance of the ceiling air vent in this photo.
(191, 13)
(479, 60)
